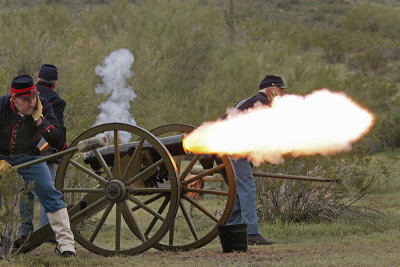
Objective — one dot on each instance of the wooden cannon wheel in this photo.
(113, 210)
(202, 207)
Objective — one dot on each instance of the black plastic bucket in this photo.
(233, 237)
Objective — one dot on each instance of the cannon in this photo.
(126, 198)
(172, 143)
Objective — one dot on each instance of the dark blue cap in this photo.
(48, 72)
(271, 80)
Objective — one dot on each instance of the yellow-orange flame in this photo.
(322, 122)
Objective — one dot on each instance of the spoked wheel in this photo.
(121, 201)
(206, 199)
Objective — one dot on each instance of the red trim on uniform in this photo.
(21, 91)
(12, 137)
(12, 106)
(65, 145)
(51, 88)
(51, 126)
(44, 86)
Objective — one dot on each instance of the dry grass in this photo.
(371, 241)
(376, 249)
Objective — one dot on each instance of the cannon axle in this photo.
(116, 190)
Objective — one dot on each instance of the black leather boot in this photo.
(257, 239)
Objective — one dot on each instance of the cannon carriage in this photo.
(141, 191)
(135, 195)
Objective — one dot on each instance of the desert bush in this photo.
(373, 18)
(365, 38)
(305, 201)
(11, 186)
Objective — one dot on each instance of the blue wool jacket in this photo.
(19, 134)
(249, 102)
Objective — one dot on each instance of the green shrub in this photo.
(373, 18)
(10, 189)
(305, 201)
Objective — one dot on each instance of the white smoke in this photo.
(114, 71)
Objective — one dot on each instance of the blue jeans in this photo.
(244, 208)
(49, 197)
(43, 220)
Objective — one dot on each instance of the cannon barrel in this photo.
(172, 143)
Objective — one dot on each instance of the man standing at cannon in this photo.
(24, 119)
(244, 209)
(47, 81)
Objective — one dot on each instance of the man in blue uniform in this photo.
(244, 209)
(24, 119)
(47, 80)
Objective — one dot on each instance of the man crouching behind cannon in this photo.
(24, 119)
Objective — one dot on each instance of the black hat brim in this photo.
(28, 96)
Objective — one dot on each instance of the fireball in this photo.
(322, 122)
